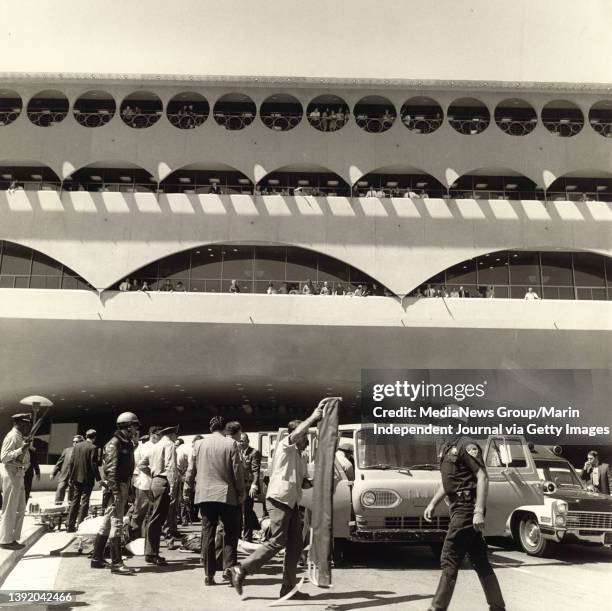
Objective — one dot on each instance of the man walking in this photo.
(15, 458)
(143, 501)
(118, 470)
(160, 464)
(251, 459)
(596, 474)
(61, 469)
(287, 479)
(217, 474)
(465, 483)
(83, 473)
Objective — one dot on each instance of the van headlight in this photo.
(380, 498)
(559, 520)
(560, 508)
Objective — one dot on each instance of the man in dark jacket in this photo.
(118, 470)
(251, 460)
(597, 474)
(61, 469)
(83, 473)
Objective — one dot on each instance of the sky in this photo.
(520, 40)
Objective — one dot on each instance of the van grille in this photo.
(417, 523)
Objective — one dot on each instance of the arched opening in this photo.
(422, 115)
(141, 109)
(24, 268)
(562, 118)
(374, 114)
(48, 108)
(469, 116)
(206, 178)
(94, 109)
(495, 183)
(525, 274)
(303, 180)
(26, 175)
(10, 106)
(234, 111)
(600, 118)
(328, 113)
(188, 110)
(515, 117)
(398, 181)
(272, 269)
(581, 186)
(281, 112)
(104, 176)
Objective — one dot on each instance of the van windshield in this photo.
(562, 474)
(391, 452)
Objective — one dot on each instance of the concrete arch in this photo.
(110, 164)
(30, 163)
(493, 171)
(550, 178)
(302, 167)
(205, 165)
(398, 169)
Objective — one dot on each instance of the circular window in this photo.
(141, 109)
(562, 118)
(281, 112)
(188, 110)
(47, 108)
(422, 115)
(600, 118)
(234, 111)
(374, 114)
(469, 116)
(94, 109)
(328, 113)
(516, 117)
(10, 106)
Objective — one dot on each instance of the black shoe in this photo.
(99, 564)
(11, 546)
(71, 530)
(121, 569)
(158, 560)
(296, 596)
(18, 545)
(237, 576)
(209, 581)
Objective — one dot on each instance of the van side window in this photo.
(509, 451)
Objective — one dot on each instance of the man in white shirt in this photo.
(142, 485)
(287, 478)
(531, 295)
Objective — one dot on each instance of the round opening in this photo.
(188, 110)
(141, 109)
(516, 117)
(94, 109)
(281, 112)
(47, 108)
(234, 111)
(374, 114)
(422, 115)
(562, 118)
(469, 116)
(10, 106)
(328, 113)
(600, 118)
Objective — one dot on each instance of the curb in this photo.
(9, 563)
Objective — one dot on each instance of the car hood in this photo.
(582, 500)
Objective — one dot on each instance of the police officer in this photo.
(465, 483)
(15, 458)
(118, 470)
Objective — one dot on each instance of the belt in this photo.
(462, 496)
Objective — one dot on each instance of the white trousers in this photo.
(13, 503)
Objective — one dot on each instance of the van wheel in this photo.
(340, 551)
(530, 538)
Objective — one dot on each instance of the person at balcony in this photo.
(387, 119)
(325, 120)
(463, 293)
(325, 289)
(216, 473)
(531, 295)
(234, 288)
(288, 477)
(340, 118)
(125, 286)
(144, 286)
(315, 117)
(371, 192)
(454, 293)
(339, 289)
(214, 188)
(332, 125)
(180, 287)
(271, 290)
(597, 474)
(284, 289)
(167, 287)
(465, 483)
(430, 291)
(490, 293)
(251, 461)
(308, 288)
(33, 471)
(83, 474)
(61, 470)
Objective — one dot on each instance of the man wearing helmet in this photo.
(118, 469)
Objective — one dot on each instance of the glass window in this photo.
(45, 266)
(493, 268)
(7, 282)
(22, 282)
(69, 282)
(206, 262)
(557, 269)
(15, 259)
(332, 270)
(301, 264)
(589, 269)
(238, 264)
(525, 269)
(462, 274)
(508, 452)
(270, 263)
(175, 266)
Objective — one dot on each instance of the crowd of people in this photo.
(328, 120)
(455, 292)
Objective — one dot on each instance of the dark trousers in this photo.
(27, 484)
(79, 505)
(250, 521)
(160, 491)
(462, 539)
(230, 517)
(60, 492)
(285, 532)
(143, 502)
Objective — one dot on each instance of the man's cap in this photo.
(90, 432)
(169, 430)
(78, 438)
(22, 417)
(143, 438)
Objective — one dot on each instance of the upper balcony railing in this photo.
(564, 128)
(46, 117)
(139, 119)
(603, 128)
(187, 120)
(422, 124)
(517, 127)
(469, 126)
(328, 123)
(234, 121)
(375, 124)
(281, 121)
(93, 118)
(8, 115)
